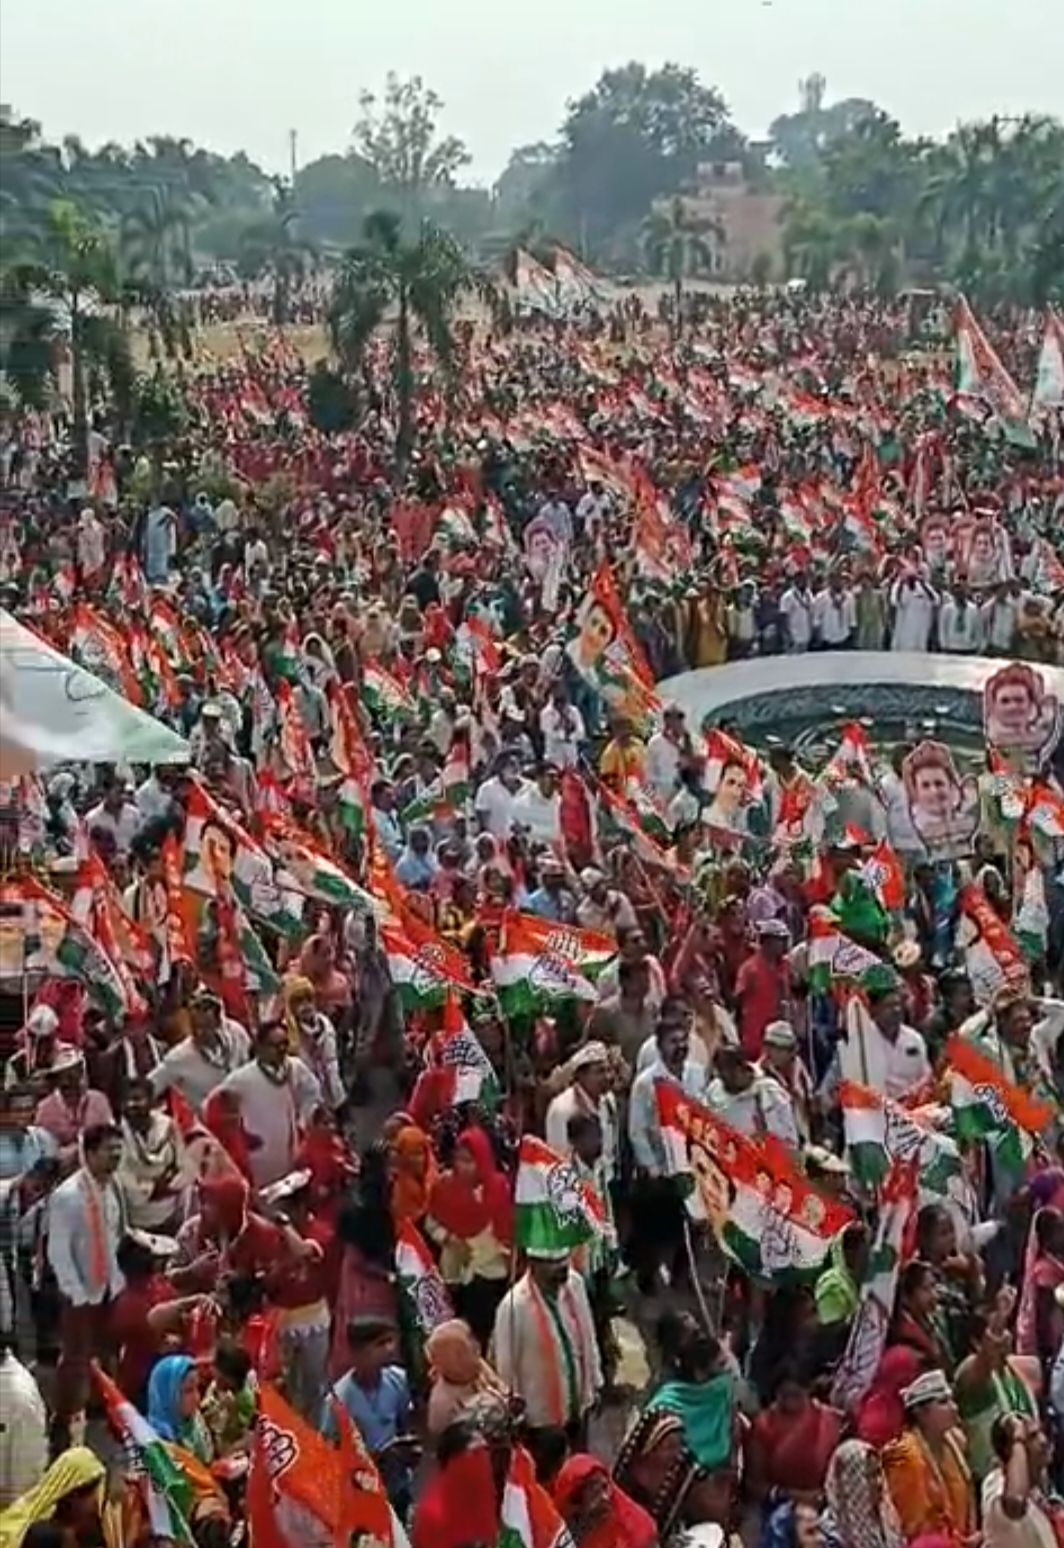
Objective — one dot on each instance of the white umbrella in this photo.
(53, 711)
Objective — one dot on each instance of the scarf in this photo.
(99, 1257)
(626, 1525)
(706, 1409)
(852, 1518)
(555, 1337)
(464, 1211)
(74, 1469)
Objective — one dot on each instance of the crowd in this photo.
(460, 1028)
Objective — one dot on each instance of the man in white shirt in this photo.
(1015, 1510)
(914, 603)
(86, 1222)
(562, 727)
(960, 624)
(751, 1103)
(115, 816)
(796, 612)
(591, 512)
(1001, 616)
(834, 617)
(277, 1095)
(588, 1092)
(665, 750)
(537, 806)
(197, 1066)
(494, 804)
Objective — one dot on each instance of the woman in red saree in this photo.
(790, 1443)
(596, 1511)
(470, 1214)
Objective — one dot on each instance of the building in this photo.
(740, 222)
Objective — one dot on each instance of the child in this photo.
(229, 1404)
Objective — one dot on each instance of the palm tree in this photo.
(419, 281)
(675, 245)
(71, 288)
(272, 246)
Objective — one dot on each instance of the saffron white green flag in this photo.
(166, 1490)
(540, 963)
(529, 1516)
(554, 1207)
(420, 1280)
(880, 1133)
(1049, 383)
(868, 1332)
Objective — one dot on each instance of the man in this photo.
(544, 1346)
(837, 1293)
(1016, 1512)
(216, 1046)
(960, 624)
(537, 806)
(602, 907)
(386, 826)
(749, 1101)
(151, 1174)
(588, 1092)
(71, 1106)
(834, 616)
(552, 899)
(666, 750)
(562, 728)
(494, 805)
(31, 1064)
(22, 1217)
(86, 1222)
(781, 1063)
(656, 1206)
(115, 815)
(276, 1095)
(925, 1469)
(317, 1040)
(627, 1018)
(914, 603)
(796, 615)
(375, 1392)
(763, 985)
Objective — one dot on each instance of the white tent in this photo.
(53, 711)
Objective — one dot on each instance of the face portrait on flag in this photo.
(936, 542)
(730, 798)
(982, 553)
(943, 807)
(1021, 718)
(713, 1192)
(541, 543)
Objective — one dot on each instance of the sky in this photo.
(239, 74)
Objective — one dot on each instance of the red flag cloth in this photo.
(459, 1504)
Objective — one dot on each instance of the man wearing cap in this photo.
(71, 1106)
(763, 986)
(750, 1102)
(602, 907)
(782, 1063)
(544, 1346)
(926, 1471)
(216, 1046)
(588, 1092)
(35, 1060)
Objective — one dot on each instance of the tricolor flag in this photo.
(722, 750)
(96, 906)
(987, 1103)
(166, 1491)
(851, 762)
(422, 965)
(880, 1132)
(530, 1518)
(764, 1213)
(52, 941)
(554, 1207)
(884, 873)
(384, 695)
(980, 375)
(456, 1049)
(219, 853)
(304, 867)
(619, 822)
(868, 1332)
(420, 1280)
(834, 958)
(540, 963)
(475, 651)
(452, 788)
(351, 758)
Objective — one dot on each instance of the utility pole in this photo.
(293, 136)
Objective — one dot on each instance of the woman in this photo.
(880, 1416)
(470, 1214)
(413, 1174)
(72, 1494)
(859, 1511)
(596, 1511)
(991, 1383)
(332, 987)
(457, 1372)
(914, 1324)
(656, 1470)
(1040, 1322)
(699, 1390)
(174, 1407)
(790, 1444)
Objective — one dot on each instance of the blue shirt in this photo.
(380, 1414)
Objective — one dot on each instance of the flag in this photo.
(101, 648)
(539, 963)
(992, 959)
(451, 789)
(620, 823)
(880, 1133)
(884, 873)
(1049, 380)
(834, 958)
(1045, 811)
(981, 375)
(987, 1103)
(384, 695)
(167, 1492)
(293, 742)
(554, 1207)
(219, 852)
(607, 655)
(722, 750)
(420, 1280)
(475, 652)
(868, 1332)
(422, 965)
(648, 812)
(1030, 919)
(350, 757)
(456, 1049)
(851, 762)
(530, 1518)
(96, 906)
(303, 866)
(53, 942)
(765, 1214)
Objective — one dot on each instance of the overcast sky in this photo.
(238, 74)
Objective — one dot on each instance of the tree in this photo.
(638, 135)
(399, 138)
(417, 281)
(675, 241)
(273, 247)
(524, 179)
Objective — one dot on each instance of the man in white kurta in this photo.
(544, 1346)
(277, 1095)
(915, 604)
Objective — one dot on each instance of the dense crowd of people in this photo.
(463, 1060)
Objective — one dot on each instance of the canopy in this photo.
(53, 711)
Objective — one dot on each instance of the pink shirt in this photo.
(65, 1123)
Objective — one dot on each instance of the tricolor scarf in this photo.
(555, 1328)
